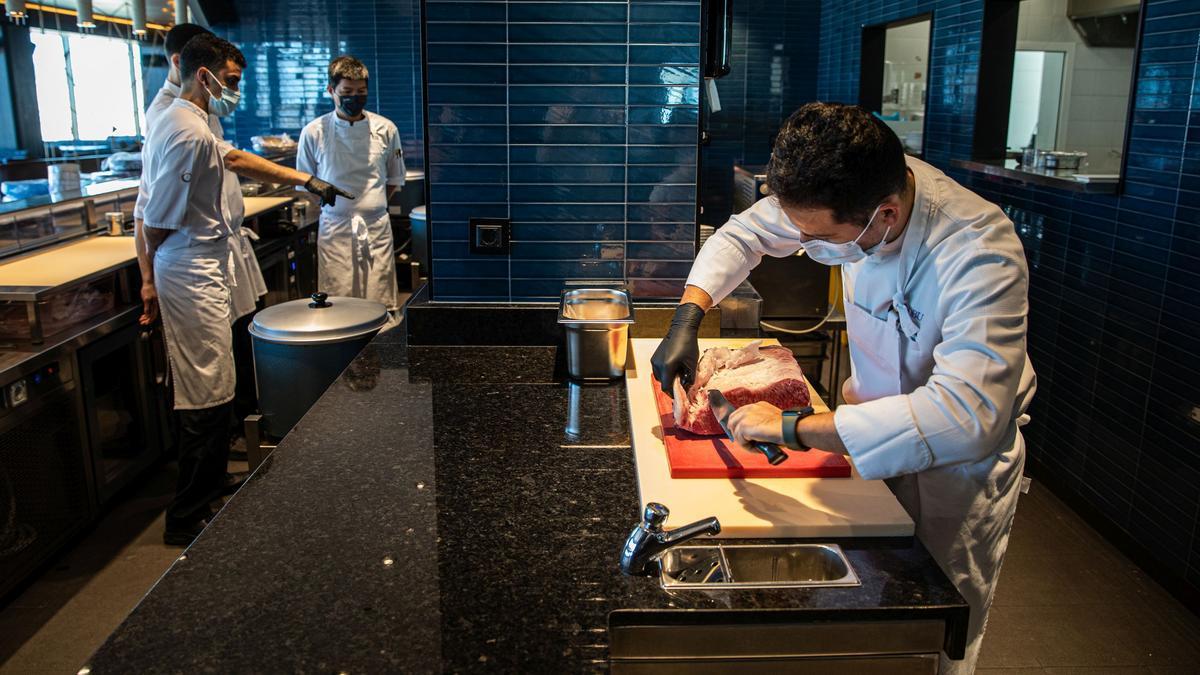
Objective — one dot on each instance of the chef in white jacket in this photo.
(246, 283)
(360, 151)
(186, 263)
(935, 286)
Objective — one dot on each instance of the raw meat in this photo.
(748, 375)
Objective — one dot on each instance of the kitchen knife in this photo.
(722, 408)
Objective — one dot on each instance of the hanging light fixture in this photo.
(83, 15)
(15, 9)
(138, 14)
(181, 12)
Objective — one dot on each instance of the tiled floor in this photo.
(62, 617)
(1067, 602)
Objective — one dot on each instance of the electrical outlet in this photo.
(490, 235)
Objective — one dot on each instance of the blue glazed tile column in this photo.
(288, 47)
(1114, 289)
(577, 121)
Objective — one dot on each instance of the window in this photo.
(894, 70)
(1071, 76)
(89, 87)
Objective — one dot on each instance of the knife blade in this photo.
(722, 409)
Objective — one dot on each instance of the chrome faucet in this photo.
(647, 542)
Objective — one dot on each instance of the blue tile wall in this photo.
(775, 52)
(1114, 320)
(578, 121)
(288, 46)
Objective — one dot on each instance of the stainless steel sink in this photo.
(720, 566)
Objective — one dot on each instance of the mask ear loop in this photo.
(869, 222)
(206, 89)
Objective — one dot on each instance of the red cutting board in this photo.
(694, 456)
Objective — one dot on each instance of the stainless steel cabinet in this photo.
(45, 478)
(891, 647)
(121, 387)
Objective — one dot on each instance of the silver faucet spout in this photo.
(709, 526)
(648, 541)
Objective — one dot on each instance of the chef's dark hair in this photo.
(179, 35)
(207, 51)
(836, 156)
(346, 68)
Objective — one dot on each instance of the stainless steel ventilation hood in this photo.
(1105, 23)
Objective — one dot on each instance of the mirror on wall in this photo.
(1071, 77)
(895, 70)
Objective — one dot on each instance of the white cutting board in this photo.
(754, 507)
(64, 264)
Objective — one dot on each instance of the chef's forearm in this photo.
(152, 238)
(819, 431)
(145, 259)
(252, 166)
(697, 296)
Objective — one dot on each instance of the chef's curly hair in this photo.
(836, 156)
(208, 51)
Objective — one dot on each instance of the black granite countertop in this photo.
(450, 509)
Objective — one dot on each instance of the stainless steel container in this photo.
(1063, 160)
(597, 322)
(300, 347)
(116, 222)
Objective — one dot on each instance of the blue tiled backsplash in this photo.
(578, 121)
(288, 46)
(1115, 295)
(774, 59)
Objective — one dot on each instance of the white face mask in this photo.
(829, 253)
(224, 104)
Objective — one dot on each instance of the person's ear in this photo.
(175, 62)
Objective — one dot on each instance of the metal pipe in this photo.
(181, 11)
(15, 9)
(83, 15)
(138, 13)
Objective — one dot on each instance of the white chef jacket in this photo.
(247, 283)
(355, 251)
(944, 311)
(340, 160)
(182, 178)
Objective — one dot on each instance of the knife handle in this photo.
(773, 453)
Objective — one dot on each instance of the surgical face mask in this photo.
(224, 104)
(352, 106)
(829, 253)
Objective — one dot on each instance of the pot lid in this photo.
(318, 321)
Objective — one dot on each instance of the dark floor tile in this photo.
(1008, 641)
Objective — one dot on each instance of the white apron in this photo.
(193, 298)
(246, 283)
(355, 251)
(963, 513)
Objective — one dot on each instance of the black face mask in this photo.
(352, 105)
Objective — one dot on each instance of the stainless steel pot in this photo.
(300, 348)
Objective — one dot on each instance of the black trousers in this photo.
(203, 457)
(245, 400)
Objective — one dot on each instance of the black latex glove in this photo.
(326, 191)
(678, 353)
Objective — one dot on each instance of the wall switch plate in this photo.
(490, 235)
